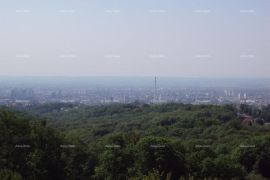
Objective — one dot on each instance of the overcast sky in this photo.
(185, 38)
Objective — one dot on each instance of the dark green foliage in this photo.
(134, 141)
(158, 153)
(257, 157)
(30, 150)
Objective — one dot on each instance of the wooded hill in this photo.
(134, 141)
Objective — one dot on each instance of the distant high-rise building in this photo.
(225, 92)
(239, 96)
(245, 96)
(59, 93)
(22, 94)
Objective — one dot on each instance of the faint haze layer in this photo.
(184, 38)
(129, 82)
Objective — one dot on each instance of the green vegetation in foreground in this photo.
(133, 141)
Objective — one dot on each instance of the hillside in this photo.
(125, 141)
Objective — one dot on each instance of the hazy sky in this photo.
(185, 38)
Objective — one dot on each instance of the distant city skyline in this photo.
(163, 38)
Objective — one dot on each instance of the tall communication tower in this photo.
(155, 93)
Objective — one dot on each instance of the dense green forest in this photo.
(134, 141)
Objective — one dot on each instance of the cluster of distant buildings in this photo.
(98, 96)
